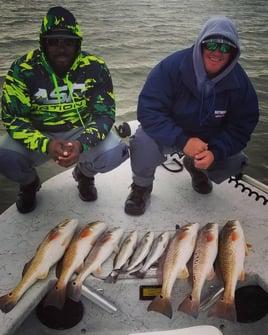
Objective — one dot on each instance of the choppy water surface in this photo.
(132, 37)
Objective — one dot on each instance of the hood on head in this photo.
(220, 28)
(59, 22)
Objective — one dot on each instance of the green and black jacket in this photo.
(35, 100)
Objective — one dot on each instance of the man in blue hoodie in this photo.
(198, 101)
(58, 103)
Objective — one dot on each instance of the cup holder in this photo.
(54, 318)
(251, 303)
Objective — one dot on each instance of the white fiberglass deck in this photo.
(172, 202)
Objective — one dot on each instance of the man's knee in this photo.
(108, 160)
(224, 169)
(21, 170)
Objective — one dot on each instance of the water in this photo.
(132, 37)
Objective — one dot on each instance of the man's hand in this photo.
(194, 146)
(64, 153)
(203, 160)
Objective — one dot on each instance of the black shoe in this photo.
(136, 201)
(86, 186)
(200, 181)
(26, 198)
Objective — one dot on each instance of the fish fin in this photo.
(59, 267)
(56, 297)
(242, 275)
(74, 290)
(223, 310)
(26, 266)
(183, 274)
(211, 274)
(8, 302)
(190, 306)
(116, 249)
(97, 271)
(79, 268)
(247, 247)
(43, 275)
(161, 305)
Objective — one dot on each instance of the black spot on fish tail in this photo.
(56, 297)
(223, 310)
(74, 290)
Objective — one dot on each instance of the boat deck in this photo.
(173, 202)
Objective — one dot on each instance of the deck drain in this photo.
(251, 303)
(52, 317)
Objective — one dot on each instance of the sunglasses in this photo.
(212, 46)
(66, 42)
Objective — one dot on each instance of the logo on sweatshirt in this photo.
(219, 113)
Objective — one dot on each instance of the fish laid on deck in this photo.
(178, 253)
(73, 260)
(231, 255)
(203, 267)
(121, 259)
(101, 251)
(48, 253)
(159, 245)
(141, 251)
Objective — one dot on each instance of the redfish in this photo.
(203, 267)
(231, 255)
(48, 253)
(101, 251)
(73, 260)
(178, 253)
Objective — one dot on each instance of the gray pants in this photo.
(146, 155)
(18, 163)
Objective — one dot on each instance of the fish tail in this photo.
(190, 306)
(74, 290)
(161, 305)
(223, 309)
(56, 297)
(8, 302)
(138, 274)
(112, 277)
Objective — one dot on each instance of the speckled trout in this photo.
(141, 251)
(48, 253)
(101, 251)
(203, 267)
(178, 253)
(121, 259)
(73, 260)
(159, 245)
(232, 252)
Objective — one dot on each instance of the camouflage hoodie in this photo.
(36, 101)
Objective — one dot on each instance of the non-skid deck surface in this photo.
(172, 202)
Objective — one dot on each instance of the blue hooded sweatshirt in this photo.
(178, 100)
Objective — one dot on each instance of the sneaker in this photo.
(136, 201)
(26, 198)
(86, 186)
(200, 181)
